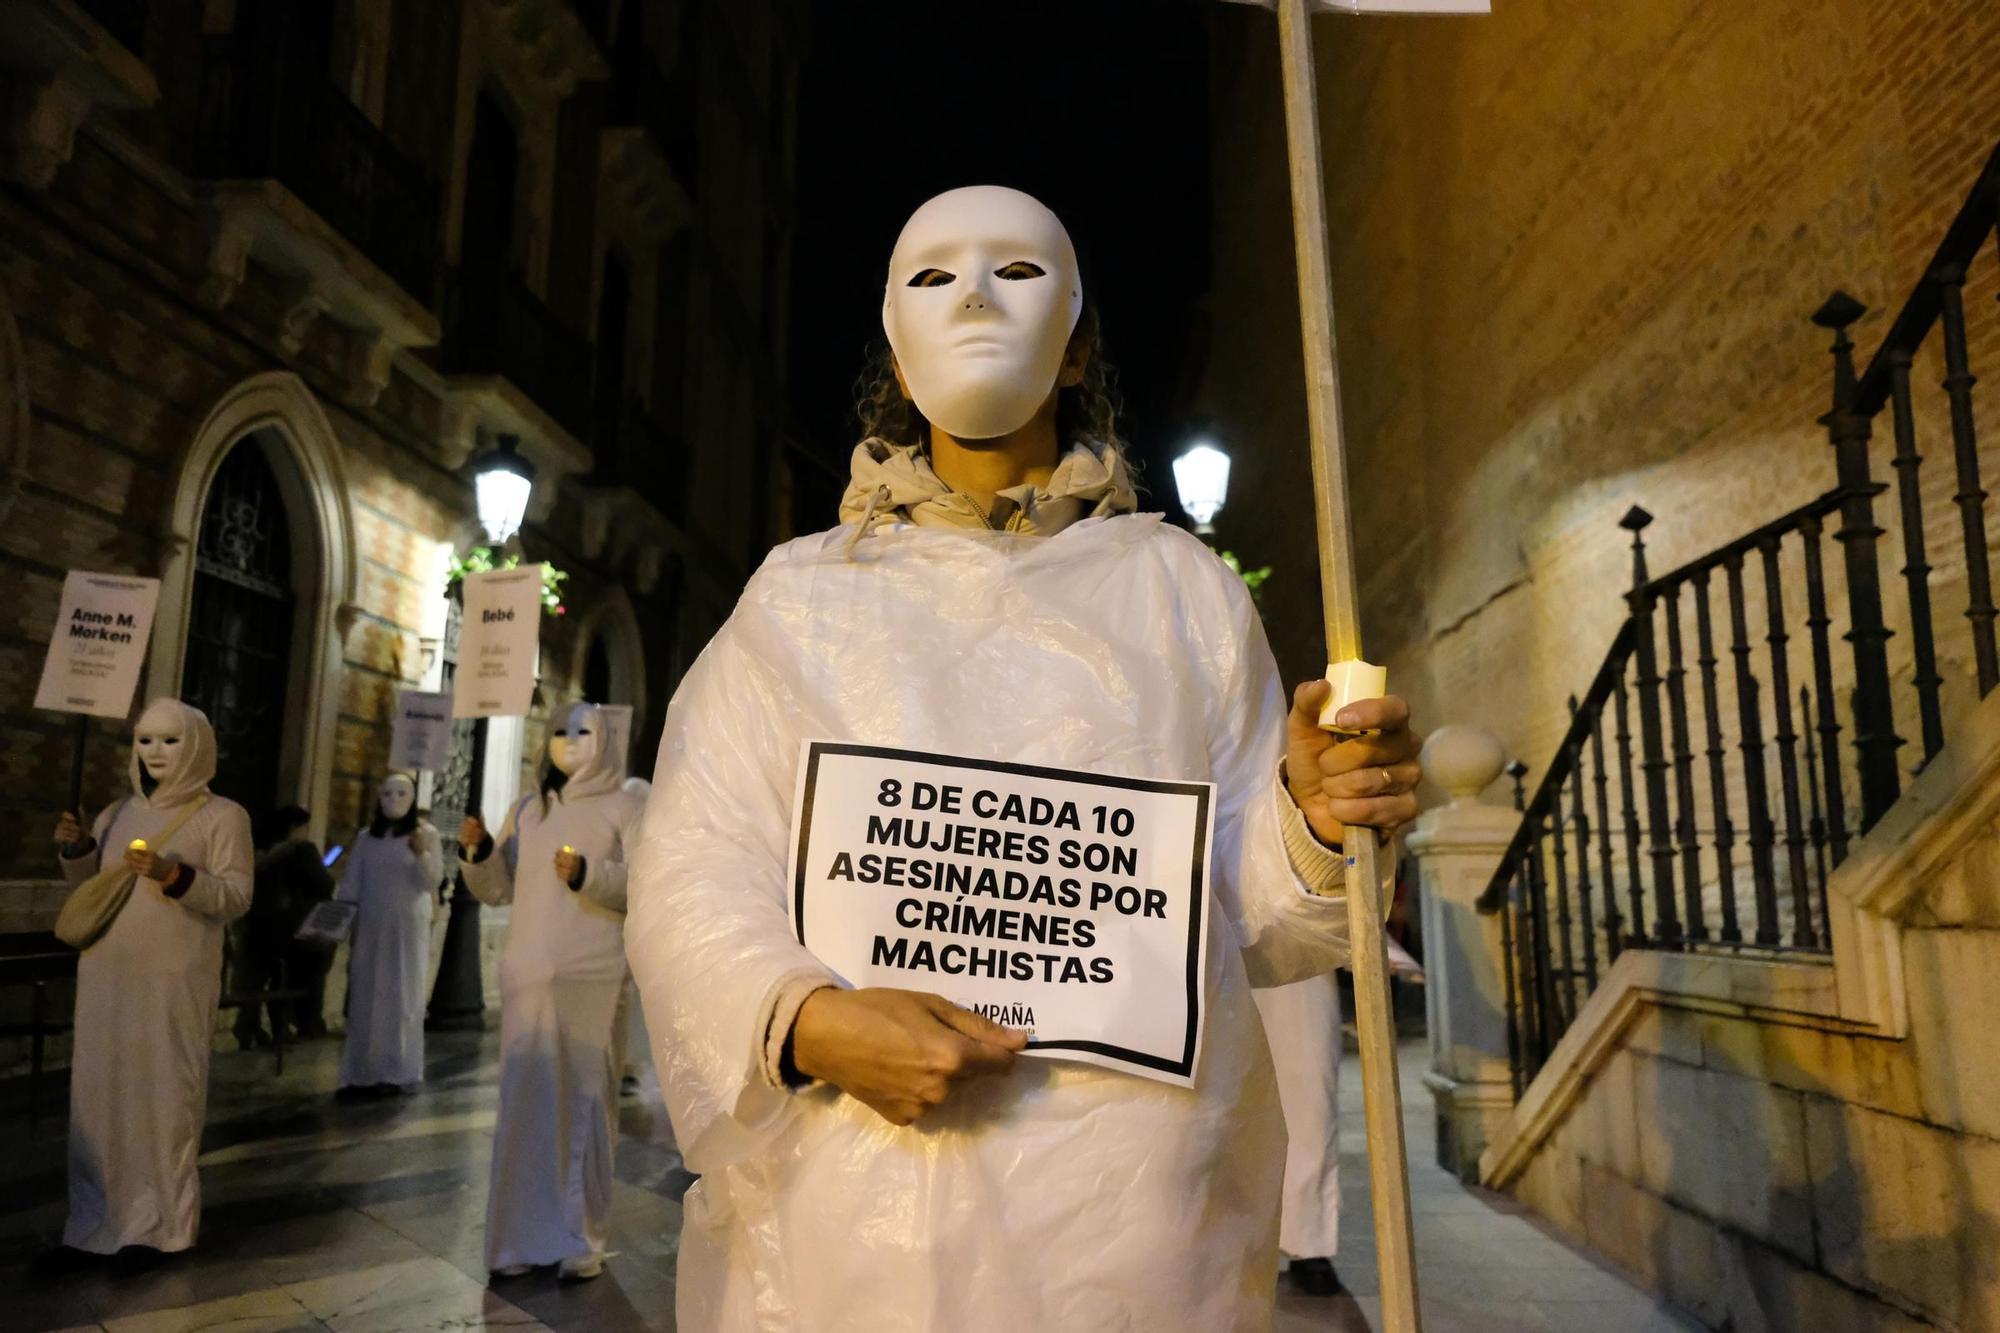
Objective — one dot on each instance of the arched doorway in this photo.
(272, 438)
(242, 620)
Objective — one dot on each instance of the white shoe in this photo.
(581, 1269)
(512, 1270)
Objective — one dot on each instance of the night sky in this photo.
(1097, 107)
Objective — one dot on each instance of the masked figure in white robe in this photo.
(560, 861)
(391, 877)
(146, 991)
(1039, 623)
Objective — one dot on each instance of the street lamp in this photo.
(500, 486)
(1201, 475)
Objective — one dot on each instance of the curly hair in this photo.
(1087, 410)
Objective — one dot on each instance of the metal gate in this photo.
(238, 666)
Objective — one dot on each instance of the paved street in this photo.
(367, 1219)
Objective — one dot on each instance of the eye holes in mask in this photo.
(1018, 271)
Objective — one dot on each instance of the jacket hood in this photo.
(195, 768)
(894, 483)
(603, 773)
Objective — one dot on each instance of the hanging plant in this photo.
(1253, 579)
(479, 560)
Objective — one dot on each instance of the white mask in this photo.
(982, 297)
(398, 794)
(576, 741)
(159, 741)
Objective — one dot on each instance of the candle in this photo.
(138, 844)
(568, 850)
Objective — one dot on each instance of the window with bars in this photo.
(238, 667)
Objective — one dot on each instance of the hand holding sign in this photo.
(1363, 780)
(897, 1052)
(69, 832)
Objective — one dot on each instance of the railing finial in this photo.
(1636, 521)
(1519, 772)
(1837, 312)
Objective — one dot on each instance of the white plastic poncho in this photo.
(560, 974)
(1060, 1195)
(145, 1008)
(394, 890)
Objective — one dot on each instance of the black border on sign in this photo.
(1197, 911)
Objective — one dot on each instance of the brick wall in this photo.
(1575, 247)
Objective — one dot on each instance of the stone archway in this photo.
(291, 426)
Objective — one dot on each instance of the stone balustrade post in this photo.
(1457, 847)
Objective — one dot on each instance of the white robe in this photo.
(1302, 1024)
(1061, 1195)
(145, 1011)
(560, 974)
(395, 892)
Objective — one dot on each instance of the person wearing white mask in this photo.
(391, 877)
(992, 595)
(146, 992)
(559, 858)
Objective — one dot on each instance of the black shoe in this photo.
(62, 1261)
(1315, 1277)
(134, 1260)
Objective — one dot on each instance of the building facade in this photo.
(274, 277)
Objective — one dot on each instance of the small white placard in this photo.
(1073, 905)
(422, 738)
(99, 644)
(328, 923)
(618, 734)
(497, 646)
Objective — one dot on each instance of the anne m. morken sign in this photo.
(1072, 905)
(98, 645)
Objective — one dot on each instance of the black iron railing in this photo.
(265, 116)
(1703, 793)
(496, 326)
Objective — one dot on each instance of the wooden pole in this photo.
(76, 769)
(1388, 1168)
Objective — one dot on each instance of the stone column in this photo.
(1457, 848)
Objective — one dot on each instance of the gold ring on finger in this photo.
(1387, 782)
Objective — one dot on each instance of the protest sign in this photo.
(327, 924)
(498, 645)
(422, 736)
(99, 644)
(618, 734)
(1069, 904)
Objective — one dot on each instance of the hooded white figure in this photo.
(391, 877)
(560, 975)
(146, 994)
(1067, 632)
